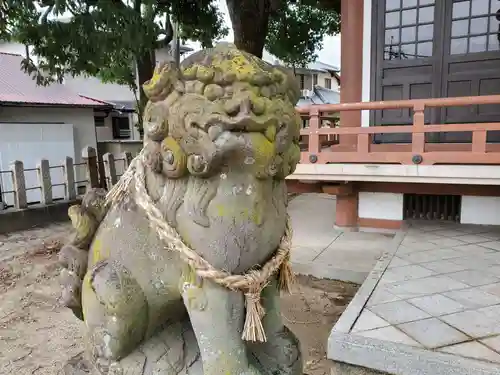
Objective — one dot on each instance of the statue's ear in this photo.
(163, 81)
(155, 120)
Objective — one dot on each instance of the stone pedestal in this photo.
(339, 368)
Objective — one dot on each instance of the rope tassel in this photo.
(253, 329)
(286, 276)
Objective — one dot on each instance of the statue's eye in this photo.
(169, 157)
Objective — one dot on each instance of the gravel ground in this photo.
(37, 334)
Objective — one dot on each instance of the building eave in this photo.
(54, 105)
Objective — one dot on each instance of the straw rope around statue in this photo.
(251, 283)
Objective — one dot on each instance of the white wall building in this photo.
(38, 122)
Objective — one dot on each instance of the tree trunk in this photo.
(250, 19)
(145, 70)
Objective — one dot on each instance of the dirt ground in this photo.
(37, 334)
(310, 312)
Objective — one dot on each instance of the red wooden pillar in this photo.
(350, 92)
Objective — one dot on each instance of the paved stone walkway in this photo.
(324, 252)
(441, 292)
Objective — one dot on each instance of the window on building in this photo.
(121, 128)
(315, 79)
(302, 81)
(99, 121)
(409, 29)
(328, 83)
(474, 27)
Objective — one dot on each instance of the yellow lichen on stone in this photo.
(74, 215)
(290, 159)
(177, 166)
(84, 225)
(204, 73)
(270, 133)
(242, 66)
(189, 276)
(99, 253)
(155, 78)
(295, 125)
(263, 153)
(87, 291)
(254, 215)
(190, 71)
(157, 75)
(221, 210)
(96, 251)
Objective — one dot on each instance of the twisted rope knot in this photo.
(252, 297)
(251, 284)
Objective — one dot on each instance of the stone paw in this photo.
(71, 289)
(107, 347)
(74, 260)
(279, 355)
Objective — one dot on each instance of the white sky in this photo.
(330, 54)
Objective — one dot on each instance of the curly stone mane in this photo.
(192, 112)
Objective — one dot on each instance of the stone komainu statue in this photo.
(221, 135)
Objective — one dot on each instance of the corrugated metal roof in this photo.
(128, 105)
(17, 87)
(315, 65)
(320, 95)
(118, 105)
(322, 67)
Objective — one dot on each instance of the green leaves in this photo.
(106, 38)
(297, 31)
(200, 20)
(102, 38)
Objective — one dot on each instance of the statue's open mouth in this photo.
(242, 123)
(227, 142)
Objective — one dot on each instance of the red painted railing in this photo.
(325, 144)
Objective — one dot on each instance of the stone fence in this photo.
(37, 196)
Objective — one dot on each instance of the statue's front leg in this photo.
(115, 309)
(280, 354)
(217, 316)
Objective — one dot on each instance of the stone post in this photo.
(43, 172)
(19, 183)
(127, 156)
(101, 171)
(89, 155)
(69, 179)
(110, 168)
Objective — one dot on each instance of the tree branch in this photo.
(169, 30)
(119, 3)
(46, 14)
(162, 6)
(72, 8)
(330, 5)
(137, 6)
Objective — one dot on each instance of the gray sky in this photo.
(330, 54)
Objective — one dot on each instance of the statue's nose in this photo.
(228, 141)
